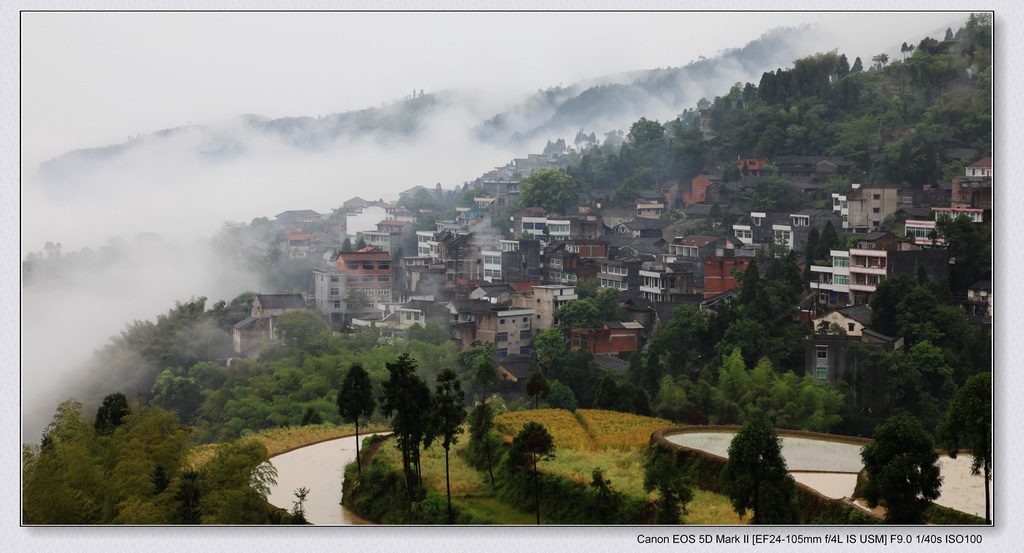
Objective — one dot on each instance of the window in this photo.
(384, 278)
(503, 352)
(368, 278)
(876, 196)
(876, 210)
(822, 373)
(352, 265)
(524, 334)
(525, 350)
(351, 278)
(337, 304)
(384, 265)
(501, 321)
(908, 199)
(501, 337)
(849, 327)
(334, 279)
(822, 352)
(841, 279)
(334, 291)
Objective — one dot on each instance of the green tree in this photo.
(63, 481)
(447, 414)
(431, 333)
(482, 436)
(235, 484)
(560, 396)
(674, 487)
(536, 386)
(971, 247)
(902, 468)
(355, 399)
(180, 394)
(478, 361)
(111, 413)
(842, 66)
(532, 445)
(148, 454)
(548, 345)
(408, 398)
(578, 314)
(298, 506)
(548, 188)
(299, 328)
(756, 478)
(968, 425)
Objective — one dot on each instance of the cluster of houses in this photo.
(501, 281)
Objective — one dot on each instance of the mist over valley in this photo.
(135, 220)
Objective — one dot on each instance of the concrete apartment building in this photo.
(511, 329)
(367, 271)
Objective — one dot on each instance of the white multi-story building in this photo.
(492, 265)
(833, 283)
(651, 285)
(424, 238)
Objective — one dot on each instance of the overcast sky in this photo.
(92, 79)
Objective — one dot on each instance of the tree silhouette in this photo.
(355, 399)
(481, 421)
(903, 470)
(532, 445)
(446, 417)
(969, 424)
(111, 413)
(662, 474)
(408, 398)
(756, 477)
(536, 386)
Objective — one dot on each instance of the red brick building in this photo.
(368, 271)
(611, 339)
(699, 189)
(718, 275)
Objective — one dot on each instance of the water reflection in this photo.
(320, 468)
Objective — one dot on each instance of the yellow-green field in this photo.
(609, 441)
(283, 440)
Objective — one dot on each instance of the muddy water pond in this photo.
(320, 468)
(831, 467)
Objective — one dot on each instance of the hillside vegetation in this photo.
(587, 442)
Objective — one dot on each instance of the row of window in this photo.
(503, 336)
(503, 352)
(368, 265)
(606, 283)
(614, 270)
(367, 278)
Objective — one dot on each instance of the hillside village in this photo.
(814, 251)
(481, 279)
